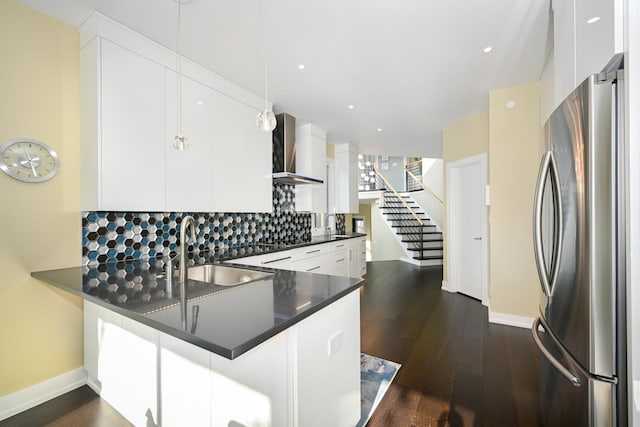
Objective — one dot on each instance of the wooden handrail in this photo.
(388, 184)
(419, 181)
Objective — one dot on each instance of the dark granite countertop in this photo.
(230, 320)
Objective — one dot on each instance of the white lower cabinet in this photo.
(358, 257)
(308, 375)
(345, 257)
(338, 263)
(280, 260)
(122, 363)
(184, 385)
(315, 264)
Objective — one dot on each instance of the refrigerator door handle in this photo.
(547, 166)
(573, 378)
(568, 374)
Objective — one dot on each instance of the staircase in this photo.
(419, 237)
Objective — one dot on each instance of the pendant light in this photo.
(180, 141)
(266, 120)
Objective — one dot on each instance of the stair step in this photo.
(408, 233)
(408, 215)
(417, 227)
(436, 249)
(427, 257)
(436, 239)
(398, 202)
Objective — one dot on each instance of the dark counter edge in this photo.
(209, 346)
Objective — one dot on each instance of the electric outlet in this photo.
(335, 343)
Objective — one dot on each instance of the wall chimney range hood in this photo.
(284, 153)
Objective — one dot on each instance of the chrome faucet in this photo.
(186, 224)
(327, 231)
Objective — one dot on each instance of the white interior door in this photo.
(466, 219)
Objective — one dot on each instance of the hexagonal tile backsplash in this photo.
(118, 236)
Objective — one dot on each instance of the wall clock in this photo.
(28, 160)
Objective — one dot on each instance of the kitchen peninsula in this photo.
(281, 350)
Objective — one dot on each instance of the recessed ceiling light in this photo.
(379, 129)
(300, 66)
(593, 20)
(199, 102)
(487, 49)
(351, 107)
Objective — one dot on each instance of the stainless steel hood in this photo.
(284, 153)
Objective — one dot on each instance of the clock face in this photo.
(28, 160)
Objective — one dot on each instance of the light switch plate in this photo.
(334, 343)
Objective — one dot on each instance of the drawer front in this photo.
(339, 263)
(274, 260)
(340, 245)
(315, 264)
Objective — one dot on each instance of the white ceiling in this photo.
(410, 67)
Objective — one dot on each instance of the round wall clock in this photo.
(28, 160)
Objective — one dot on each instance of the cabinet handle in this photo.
(314, 268)
(310, 252)
(275, 260)
(340, 260)
(350, 255)
(339, 246)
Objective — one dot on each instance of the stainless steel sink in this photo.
(224, 276)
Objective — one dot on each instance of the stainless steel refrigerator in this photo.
(579, 245)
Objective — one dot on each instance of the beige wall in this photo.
(511, 137)
(514, 154)
(464, 139)
(40, 328)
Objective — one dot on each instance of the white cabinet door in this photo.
(362, 256)
(354, 261)
(338, 264)
(185, 383)
(346, 178)
(131, 146)
(596, 42)
(127, 363)
(188, 172)
(311, 160)
(241, 159)
(564, 49)
(327, 365)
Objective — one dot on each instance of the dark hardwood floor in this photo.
(457, 369)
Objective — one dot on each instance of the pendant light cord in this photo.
(266, 55)
(179, 69)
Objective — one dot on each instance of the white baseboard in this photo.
(422, 263)
(36, 394)
(445, 287)
(510, 320)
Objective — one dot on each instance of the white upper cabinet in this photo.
(599, 35)
(311, 160)
(124, 126)
(346, 178)
(241, 178)
(188, 172)
(129, 96)
(587, 33)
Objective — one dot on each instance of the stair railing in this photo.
(389, 187)
(433, 195)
